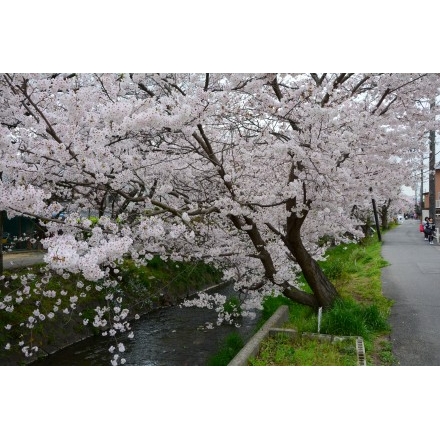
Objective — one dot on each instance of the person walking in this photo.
(425, 224)
(429, 230)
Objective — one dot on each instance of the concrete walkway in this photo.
(412, 280)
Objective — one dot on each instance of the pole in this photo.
(415, 199)
(319, 319)
(422, 202)
(432, 174)
(432, 167)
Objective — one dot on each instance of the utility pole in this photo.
(432, 174)
(416, 205)
(432, 168)
(422, 202)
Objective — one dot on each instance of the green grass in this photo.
(161, 282)
(349, 318)
(281, 350)
(385, 354)
(361, 310)
(232, 344)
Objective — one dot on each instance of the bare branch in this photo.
(318, 80)
(144, 88)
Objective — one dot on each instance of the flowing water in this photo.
(170, 336)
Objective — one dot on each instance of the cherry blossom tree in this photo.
(249, 172)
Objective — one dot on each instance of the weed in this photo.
(283, 350)
(349, 318)
(385, 353)
(232, 344)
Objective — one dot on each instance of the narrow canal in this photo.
(173, 336)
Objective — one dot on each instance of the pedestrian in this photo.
(429, 229)
(425, 224)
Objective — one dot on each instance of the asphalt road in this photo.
(412, 280)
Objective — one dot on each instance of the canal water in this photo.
(173, 336)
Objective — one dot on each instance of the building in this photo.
(437, 196)
(18, 232)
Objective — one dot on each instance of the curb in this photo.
(253, 345)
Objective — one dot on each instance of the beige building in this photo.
(437, 194)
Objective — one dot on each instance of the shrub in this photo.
(349, 318)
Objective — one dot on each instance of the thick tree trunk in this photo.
(384, 215)
(323, 290)
(384, 218)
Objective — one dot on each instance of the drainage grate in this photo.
(360, 348)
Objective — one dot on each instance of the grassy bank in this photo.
(362, 310)
(60, 322)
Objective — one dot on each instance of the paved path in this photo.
(412, 280)
(12, 260)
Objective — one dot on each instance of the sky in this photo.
(230, 36)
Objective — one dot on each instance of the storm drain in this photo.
(360, 349)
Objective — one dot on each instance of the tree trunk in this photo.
(384, 215)
(323, 290)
